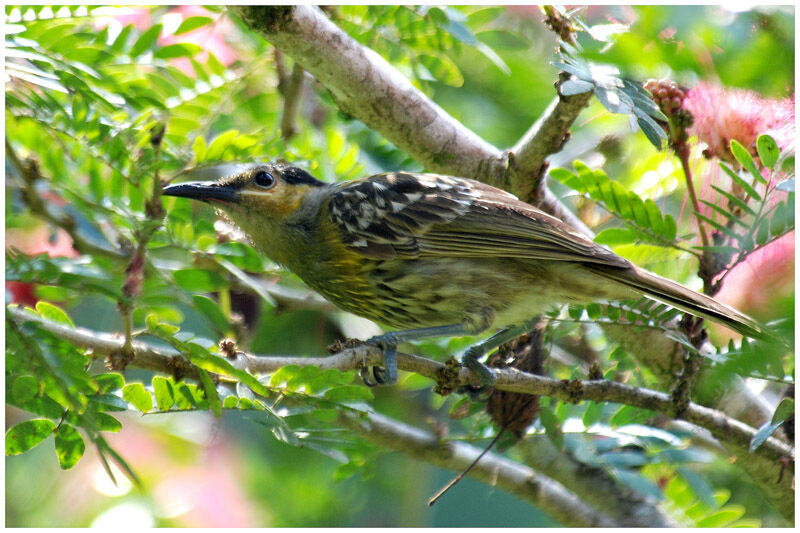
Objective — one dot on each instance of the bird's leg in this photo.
(389, 341)
(480, 349)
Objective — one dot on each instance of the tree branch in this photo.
(572, 391)
(492, 469)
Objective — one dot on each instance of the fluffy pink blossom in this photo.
(753, 284)
(210, 37)
(721, 114)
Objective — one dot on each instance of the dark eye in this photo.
(264, 179)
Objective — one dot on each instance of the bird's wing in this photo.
(404, 215)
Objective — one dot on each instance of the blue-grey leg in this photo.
(389, 341)
(480, 349)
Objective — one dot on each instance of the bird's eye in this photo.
(264, 179)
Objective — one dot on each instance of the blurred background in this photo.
(202, 471)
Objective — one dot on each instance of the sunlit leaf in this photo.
(25, 435)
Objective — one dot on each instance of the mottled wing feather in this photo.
(410, 216)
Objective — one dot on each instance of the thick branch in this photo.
(547, 136)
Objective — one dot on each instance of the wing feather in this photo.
(428, 215)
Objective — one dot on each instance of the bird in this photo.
(432, 255)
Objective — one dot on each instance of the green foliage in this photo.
(698, 513)
(616, 94)
(99, 113)
(760, 213)
(421, 41)
(643, 218)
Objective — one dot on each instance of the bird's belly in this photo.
(478, 292)
(482, 292)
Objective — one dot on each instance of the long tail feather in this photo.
(685, 299)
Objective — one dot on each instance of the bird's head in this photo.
(268, 192)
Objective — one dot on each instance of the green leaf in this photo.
(614, 236)
(628, 414)
(552, 426)
(108, 382)
(24, 388)
(146, 41)
(768, 150)
(184, 397)
(192, 23)
(725, 213)
(625, 459)
(171, 51)
(784, 410)
(25, 435)
(485, 15)
(652, 130)
(735, 200)
(218, 146)
(345, 471)
(198, 280)
(744, 158)
(349, 393)
(106, 422)
(749, 189)
(638, 482)
(723, 517)
(443, 69)
(721, 227)
(230, 402)
(212, 312)
(69, 446)
(763, 433)
(109, 402)
(199, 148)
(51, 312)
(571, 87)
(138, 396)
(164, 393)
(326, 415)
(211, 392)
(241, 255)
(592, 414)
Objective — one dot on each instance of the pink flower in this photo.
(753, 284)
(721, 114)
(210, 37)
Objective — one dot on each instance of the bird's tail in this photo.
(674, 294)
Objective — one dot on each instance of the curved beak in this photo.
(204, 191)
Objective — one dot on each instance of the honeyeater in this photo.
(433, 255)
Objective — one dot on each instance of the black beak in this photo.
(204, 191)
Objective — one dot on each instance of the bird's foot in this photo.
(485, 374)
(386, 375)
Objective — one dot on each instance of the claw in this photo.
(364, 373)
(386, 375)
(485, 374)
